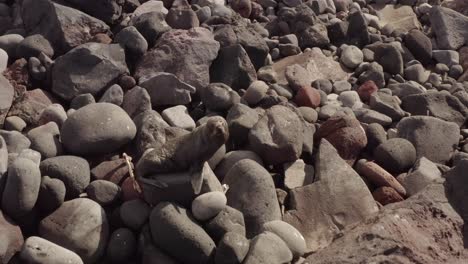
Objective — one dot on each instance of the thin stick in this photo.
(128, 160)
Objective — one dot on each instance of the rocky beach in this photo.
(233, 131)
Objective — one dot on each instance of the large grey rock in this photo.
(395, 155)
(136, 101)
(33, 45)
(278, 136)
(449, 27)
(15, 141)
(268, 248)
(45, 140)
(233, 67)
(108, 11)
(79, 225)
(187, 54)
(73, 171)
(21, 188)
(290, 235)
(433, 138)
(231, 158)
(438, 104)
(6, 98)
(97, 129)
(340, 198)
(166, 89)
(64, 27)
(399, 17)
(41, 251)
(150, 24)
(219, 97)
(51, 194)
(88, 68)
(247, 179)
(424, 173)
(133, 42)
(241, 118)
(411, 224)
(175, 231)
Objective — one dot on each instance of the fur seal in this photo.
(187, 152)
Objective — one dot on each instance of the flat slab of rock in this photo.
(399, 17)
(339, 198)
(449, 27)
(405, 232)
(316, 63)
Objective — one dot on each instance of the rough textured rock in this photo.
(71, 170)
(433, 138)
(6, 98)
(79, 225)
(167, 89)
(278, 136)
(340, 198)
(186, 54)
(399, 17)
(378, 176)
(86, 132)
(449, 27)
(438, 104)
(88, 68)
(174, 230)
(64, 27)
(406, 232)
(424, 173)
(318, 65)
(247, 179)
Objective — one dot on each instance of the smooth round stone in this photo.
(82, 100)
(9, 43)
(51, 194)
(232, 249)
(30, 154)
(21, 188)
(267, 247)
(103, 192)
(134, 213)
(350, 99)
(122, 246)
(289, 234)
(41, 251)
(14, 123)
(33, 45)
(208, 205)
(135, 44)
(175, 231)
(228, 220)
(309, 114)
(53, 113)
(73, 171)
(45, 140)
(396, 155)
(79, 225)
(113, 95)
(15, 141)
(351, 56)
(86, 132)
(256, 92)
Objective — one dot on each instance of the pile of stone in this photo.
(247, 131)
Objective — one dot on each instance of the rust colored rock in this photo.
(115, 171)
(101, 38)
(366, 89)
(18, 75)
(30, 105)
(387, 195)
(346, 135)
(307, 96)
(378, 176)
(129, 191)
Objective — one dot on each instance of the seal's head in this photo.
(217, 129)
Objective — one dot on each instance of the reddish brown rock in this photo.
(307, 96)
(378, 176)
(386, 195)
(18, 75)
(243, 7)
(115, 171)
(11, 238)
(129, 190)
(101, 38)
(366, 89)
(346, 135)
(30, 105)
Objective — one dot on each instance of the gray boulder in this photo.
(166, 89)
(424, 173)
(6, 98)
(88, 68)
(395, 155)
(278, 136)
(15, 141)
(45, 140)
(230, 220)
(39, 250)
(433, 138)
(175, 231)
(247, 179)
(79, 225)
(64, 27)
(133, 42)
(268, 248)
(73, 171)
(97, 129)
(449, 27)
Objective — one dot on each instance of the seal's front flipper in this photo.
(196, 173)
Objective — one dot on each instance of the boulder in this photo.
(6, 98)
(166, 89)
(39, 250)
(449, 27)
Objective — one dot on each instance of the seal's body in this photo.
(185, 153)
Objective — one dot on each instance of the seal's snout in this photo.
(218, 128)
